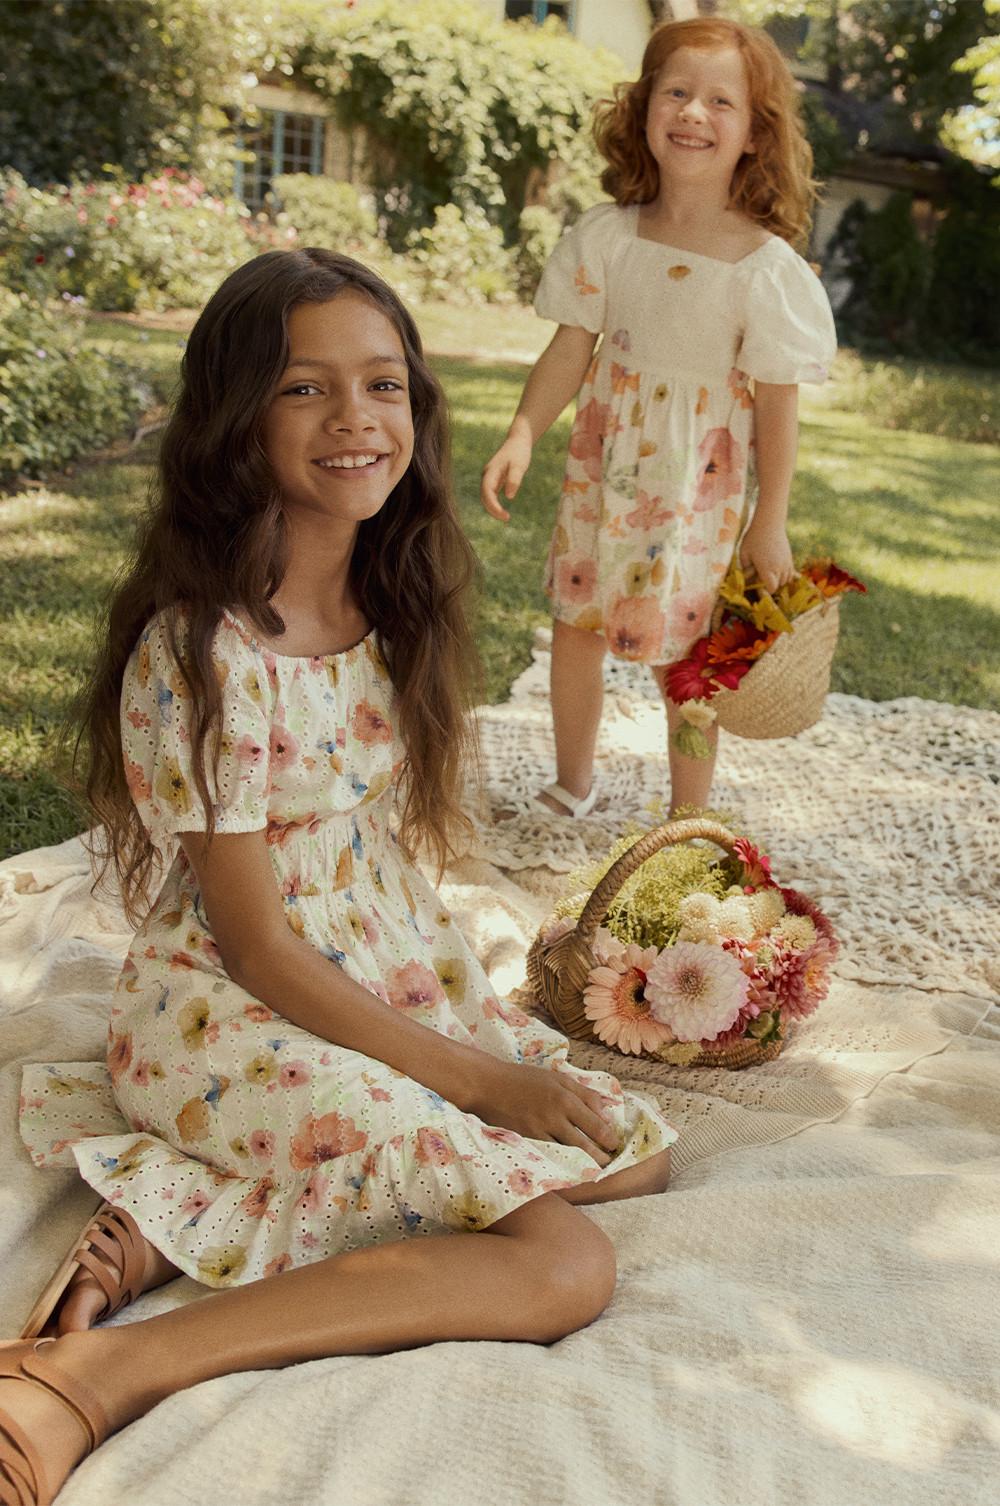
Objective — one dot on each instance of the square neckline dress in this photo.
(659, 484)
(240, 1143)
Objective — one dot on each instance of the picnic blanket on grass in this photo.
(808, 1317)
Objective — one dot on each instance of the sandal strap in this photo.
(22, 1471)
(114, 1236)
(574, 805)
(71, 1392)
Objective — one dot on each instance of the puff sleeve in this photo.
(156, 714)
(573, 287)
(789, 334)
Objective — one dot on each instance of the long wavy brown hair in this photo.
(214, 536)
(773, 185)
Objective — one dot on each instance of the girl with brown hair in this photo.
(307, 1072)
(684, 444)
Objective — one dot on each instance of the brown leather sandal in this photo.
(113, 1251)
(22, 1474)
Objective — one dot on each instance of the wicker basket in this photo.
(784, 691)
(557, 972)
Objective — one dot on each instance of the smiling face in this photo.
(699, 116)
(338, 430)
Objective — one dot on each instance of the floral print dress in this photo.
(659, 480)
(241, 1144)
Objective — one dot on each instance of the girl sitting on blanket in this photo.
(307, 1070)
(708, 321)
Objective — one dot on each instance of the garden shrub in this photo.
(161, 243)
(888, 266)
(58, 398)
(461, 257)
(963, 306)
(324, 212)
(954, 402)
(538, 229)
(456, 107)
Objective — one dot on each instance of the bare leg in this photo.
(690, 778)
(83, 1298)
(577, 697)
(649, 1176)
(538, 1274)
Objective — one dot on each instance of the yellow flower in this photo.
(636, 415)
(261, 1070)
(356, 924)
(660, 392)
(172, 786)
(451, 975)
(251, 683)
(680, 1053)
(379, 783)
(797, 930)
(767, 614)
(469, 1212)
(636, 579)
(221, 1265)
(767, 907)
(193, 1020)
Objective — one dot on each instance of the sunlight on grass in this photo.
(913, 514)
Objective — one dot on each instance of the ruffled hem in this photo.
(223, 1230)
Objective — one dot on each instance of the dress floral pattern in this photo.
(659, 481)
(240, 1143)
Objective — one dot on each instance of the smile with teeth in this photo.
(694, 141)
(348, 462)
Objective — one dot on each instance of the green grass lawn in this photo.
(913, 514)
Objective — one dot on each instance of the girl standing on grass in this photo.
(685, 437)
(306, 1068)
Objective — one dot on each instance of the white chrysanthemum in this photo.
(767, 907)
(556, 929)
(734, 919)
(606, 947)
(696, 989)
(698, 713)
(698, 916)
(797, 930)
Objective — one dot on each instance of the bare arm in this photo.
(555, 379)
(263, 956)
(776, 437)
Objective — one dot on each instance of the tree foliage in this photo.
(457, 108)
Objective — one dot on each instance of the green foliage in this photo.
(142, 85)
(538, 229)
(58, 398)
(461, 256)
(963, 310)
(827, 140)
(645, 909)
(955, 402)
(456, 108)
(161, 243)
(324, 212)
(888, 266)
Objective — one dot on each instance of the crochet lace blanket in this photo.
(799, 1321)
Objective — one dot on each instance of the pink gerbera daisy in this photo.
(800, 980)
(615, 1001)
(697, 989)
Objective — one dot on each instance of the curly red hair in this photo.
(773, 185)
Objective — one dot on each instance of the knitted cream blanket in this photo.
(806, 1318)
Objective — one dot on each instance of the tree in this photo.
(139, 85)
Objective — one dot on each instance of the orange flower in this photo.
(830, 579)
(738, 640)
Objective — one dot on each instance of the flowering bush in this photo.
(162, 243)
(323, 212)
(58, 398)
(698, 953)
(461, 256)
(752, 620)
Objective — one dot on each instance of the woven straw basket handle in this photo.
(668, 835)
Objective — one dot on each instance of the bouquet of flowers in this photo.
(752, 620)
(702, 960)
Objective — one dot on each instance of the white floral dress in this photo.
(659, 481)
(240, 1143)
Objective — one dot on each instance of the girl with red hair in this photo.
(684, 445)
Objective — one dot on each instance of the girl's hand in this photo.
(768, 551)
(505, 470)
(544, 1104)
